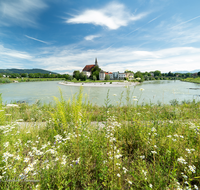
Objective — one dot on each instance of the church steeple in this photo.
(96, 63)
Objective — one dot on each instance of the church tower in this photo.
(96, 63)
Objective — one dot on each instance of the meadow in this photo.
(10, 80)
(194, 80)
(76, 145)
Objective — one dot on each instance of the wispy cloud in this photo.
(14, 53)
(91, 37)
(113, 16)
(20, 12)
(186, 21)
(37, 40)
(154, 19)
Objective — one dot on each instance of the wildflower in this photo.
(188, 150)
(22, 176)
(26, 159)
(118, 175)
(12, 105)
(141, 89)
(134, 96)
(195, 187)
(125, 170)
(114, 94)
(153, 152)
(144, 172)
(192, 168)
(181, 160)
(150, 185)
(6, 144)
(135, 99)
(129, 182)
(142, 157)
(153, 129)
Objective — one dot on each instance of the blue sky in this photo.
(66, 35)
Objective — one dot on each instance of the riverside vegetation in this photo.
(83, 146)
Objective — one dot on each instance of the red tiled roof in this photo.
(88, 68)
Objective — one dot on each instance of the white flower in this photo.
(153, 152)
(125, 170)
(129, 182)
(150, 185)
(135, 99)
(153, 129)
(114, 94)
(195, 187)
(6, 144)
(181, 160)
(188, 150)
(26, 159)
(142, 157)
(192, 168)
(118, 175)
(141, 89)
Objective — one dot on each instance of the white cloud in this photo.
(22, 12)
(113, 16)
(91, 37)
(113, 59)
(5, 52)
(37, 39)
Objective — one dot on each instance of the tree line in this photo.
(35, 75)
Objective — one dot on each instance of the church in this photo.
(87, 70)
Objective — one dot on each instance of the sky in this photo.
(65, 35)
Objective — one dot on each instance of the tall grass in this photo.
(83, 146)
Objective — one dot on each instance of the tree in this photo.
(24, 75)
(198, 73)
(138, 74)
(107, 77)
(67, 77)
(31, 75)
(157, 73)
(170, 74)
(95, 71)
(94, 77)
(76, 74)
(82, 76)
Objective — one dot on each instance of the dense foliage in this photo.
(75, 145)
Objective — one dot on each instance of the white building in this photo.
(102, 75)
(121, 76)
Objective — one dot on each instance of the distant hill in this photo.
(194, 71)
(10, 71)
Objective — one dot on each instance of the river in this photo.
(154, 92)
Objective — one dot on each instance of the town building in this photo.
(87, 70)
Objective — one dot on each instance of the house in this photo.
(130, 76)
(115, 75)
(111, 75)
(87, 70)
(121, 76)
(102, 75)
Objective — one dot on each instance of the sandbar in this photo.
(100, 84)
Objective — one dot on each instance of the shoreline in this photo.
(100, 84)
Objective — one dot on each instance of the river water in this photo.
(154, 92)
